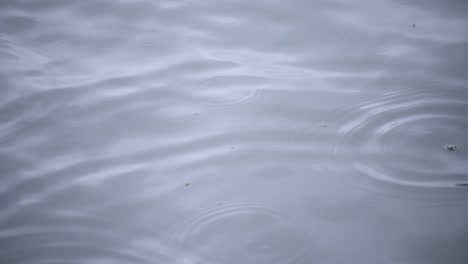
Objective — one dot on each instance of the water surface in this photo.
(234, 132)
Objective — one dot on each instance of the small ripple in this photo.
(226, 90)
(402, 137)
(243, 232)
(153, 37)
(159, 36)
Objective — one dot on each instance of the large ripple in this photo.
(243, 233)
(401, 137)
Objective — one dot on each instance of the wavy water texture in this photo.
(73, 237)
(186, 132)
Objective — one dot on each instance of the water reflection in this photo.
(233, 131)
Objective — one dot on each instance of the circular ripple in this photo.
(243, 233)
(402, 138)
(227, 90)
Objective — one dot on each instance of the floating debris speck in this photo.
(451, 147)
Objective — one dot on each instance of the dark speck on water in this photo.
(451, 147)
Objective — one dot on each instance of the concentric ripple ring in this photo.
(226, 90)
(243, 233)
(401, 138)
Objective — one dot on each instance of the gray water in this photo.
(234, 132)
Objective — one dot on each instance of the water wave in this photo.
(22, 69)
(243, 232)
(74, 238)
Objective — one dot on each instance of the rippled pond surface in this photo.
(234, 132)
